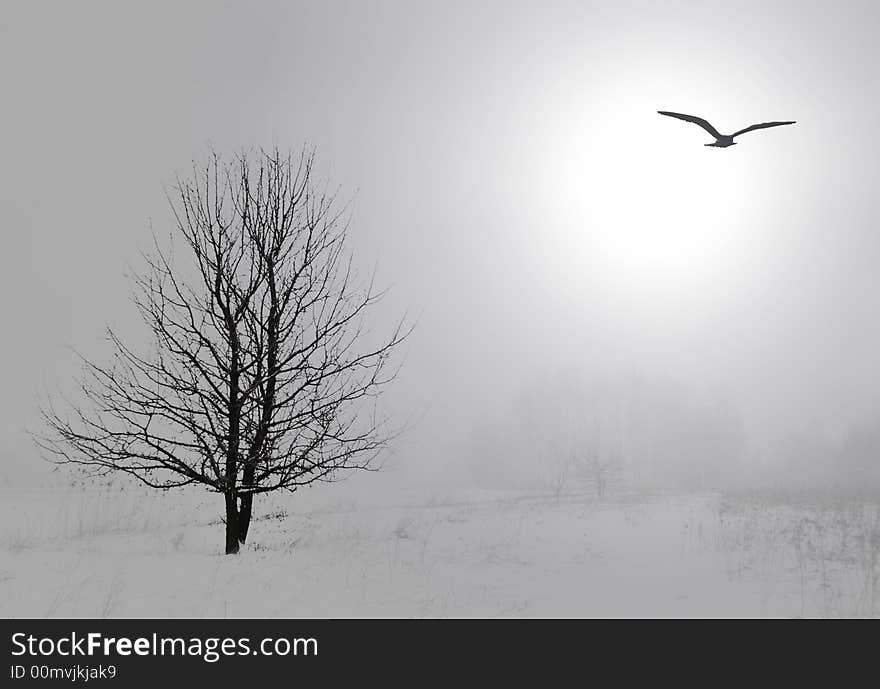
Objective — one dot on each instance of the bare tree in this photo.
(262, 373)
(600, 467)
(560, 467)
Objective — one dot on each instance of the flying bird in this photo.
(721, 140)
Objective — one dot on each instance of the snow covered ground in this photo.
(330, 553)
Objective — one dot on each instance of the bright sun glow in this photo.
(640, 193)
(662, 213)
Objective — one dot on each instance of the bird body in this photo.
(721, 140)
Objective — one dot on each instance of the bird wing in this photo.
(696, 120)
(763, 125)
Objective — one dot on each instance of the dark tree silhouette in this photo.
(263, 376)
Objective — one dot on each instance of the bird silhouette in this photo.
(721, 140)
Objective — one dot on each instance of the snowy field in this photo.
(327, 553)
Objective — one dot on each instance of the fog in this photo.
(564, 251)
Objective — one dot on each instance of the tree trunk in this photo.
(244, 517)
(232, 524)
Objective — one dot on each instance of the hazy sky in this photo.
(511, 180)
